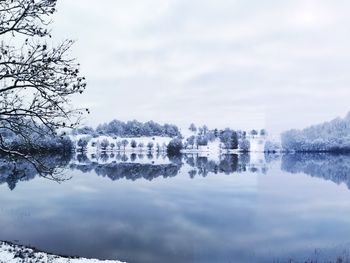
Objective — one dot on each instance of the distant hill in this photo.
(333, 136)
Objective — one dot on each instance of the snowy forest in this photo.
(118, 135)
(333, 136)
(131, 129)
(152, 136)
(33, 141)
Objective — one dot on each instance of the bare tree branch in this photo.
(37, 80)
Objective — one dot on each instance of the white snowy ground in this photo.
(212, 151)
(11, 253)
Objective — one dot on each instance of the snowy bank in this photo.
(122, 144)
(11, 253)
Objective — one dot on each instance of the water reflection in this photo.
(130, 166)
(230, 208)
(227, 164)
(17, 170)
(130, 171)
(133, 166)
(333, 167)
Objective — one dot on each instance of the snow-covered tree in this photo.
(202, 140)
(112, 145)
(175, 146)
(119, 145)
(37, 79)
(104, 144)
(244, 145)
(192, 127)
(205, 129)
(263, 132)
(82, 143)
(191, 140)
(333, 136)
(125, 143)
(253, 133)
(133, 144)
(137, 129)
(216, 133)
(229, 139)
(84, 130)
(271, 147)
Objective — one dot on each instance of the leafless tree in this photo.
(37, 80)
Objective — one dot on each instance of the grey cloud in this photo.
(207, 61)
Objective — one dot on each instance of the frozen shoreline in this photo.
(12, 253)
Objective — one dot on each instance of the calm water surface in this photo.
(189, 209)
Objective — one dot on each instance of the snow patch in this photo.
(11, 253)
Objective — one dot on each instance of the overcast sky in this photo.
(243, 64)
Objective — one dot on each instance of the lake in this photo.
(152, 208)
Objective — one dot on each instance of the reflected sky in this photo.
(237, 217)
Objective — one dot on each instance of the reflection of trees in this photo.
(204, 166)
(121, 166)
(150, 156)
(82, 158)
(333, 167)
(130, 171)
(176, 158)
(192, 173)
(133, 157)
(228, 164)
(271, 157)
(129, 168)
(327, 166)
(104, 157)
(15, 170)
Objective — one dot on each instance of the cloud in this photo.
(202, 61)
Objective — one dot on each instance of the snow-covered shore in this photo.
(12, 253)
(159, 144)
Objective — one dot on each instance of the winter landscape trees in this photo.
(327, 137)
(136, 129)
(132, 136)
(174, 146)
(333, 136)
(227, 138)
(82, 144)
(37, 79)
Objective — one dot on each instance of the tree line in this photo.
(45, 142)
(230, 139)
(106, 145)
(333, 136)
(132, 128)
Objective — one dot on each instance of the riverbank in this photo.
(12, 253)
